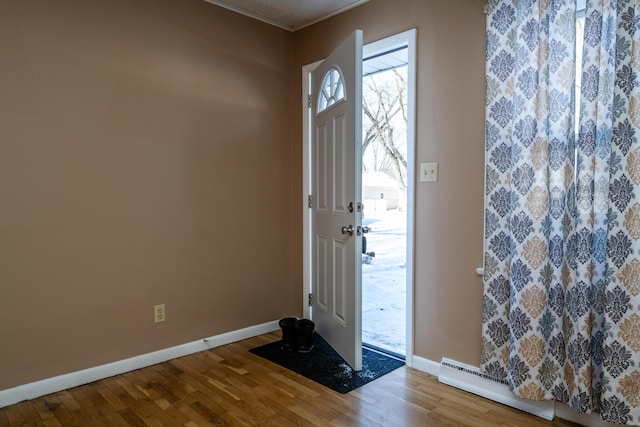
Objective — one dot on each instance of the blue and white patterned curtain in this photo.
(561, 318)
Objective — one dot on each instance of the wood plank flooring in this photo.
(228, 385)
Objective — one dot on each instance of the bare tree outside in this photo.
(384, 145)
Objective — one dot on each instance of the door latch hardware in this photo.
(350, 207)
(347, 230)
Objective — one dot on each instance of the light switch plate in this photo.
(429, 172)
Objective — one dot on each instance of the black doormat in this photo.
(323, 365)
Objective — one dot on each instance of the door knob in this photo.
(347, 230)
(365, 229)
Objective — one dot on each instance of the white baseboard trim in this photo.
(52, 385)
(425, 365)
(468, 378)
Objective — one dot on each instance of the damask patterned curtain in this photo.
(561, 318)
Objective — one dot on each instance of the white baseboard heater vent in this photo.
(471, 370)
(471, 379)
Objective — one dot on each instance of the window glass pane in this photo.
(331, 90)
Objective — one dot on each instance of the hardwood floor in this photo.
(228, 385)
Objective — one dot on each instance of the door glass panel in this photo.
(332, 89)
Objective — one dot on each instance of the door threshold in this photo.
(383, 351)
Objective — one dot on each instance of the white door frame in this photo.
(407, 38)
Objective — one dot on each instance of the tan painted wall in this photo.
(450, 130)
(145, 158)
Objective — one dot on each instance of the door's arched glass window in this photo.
(332, 89)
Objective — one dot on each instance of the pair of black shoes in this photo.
(297, 334)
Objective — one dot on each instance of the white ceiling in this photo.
(289, 14)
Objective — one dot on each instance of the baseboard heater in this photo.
(471, 379)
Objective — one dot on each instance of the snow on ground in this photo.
(384, 281)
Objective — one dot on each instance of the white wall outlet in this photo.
(429, 172)
(159, 314)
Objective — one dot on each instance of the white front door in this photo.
(336, 150)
